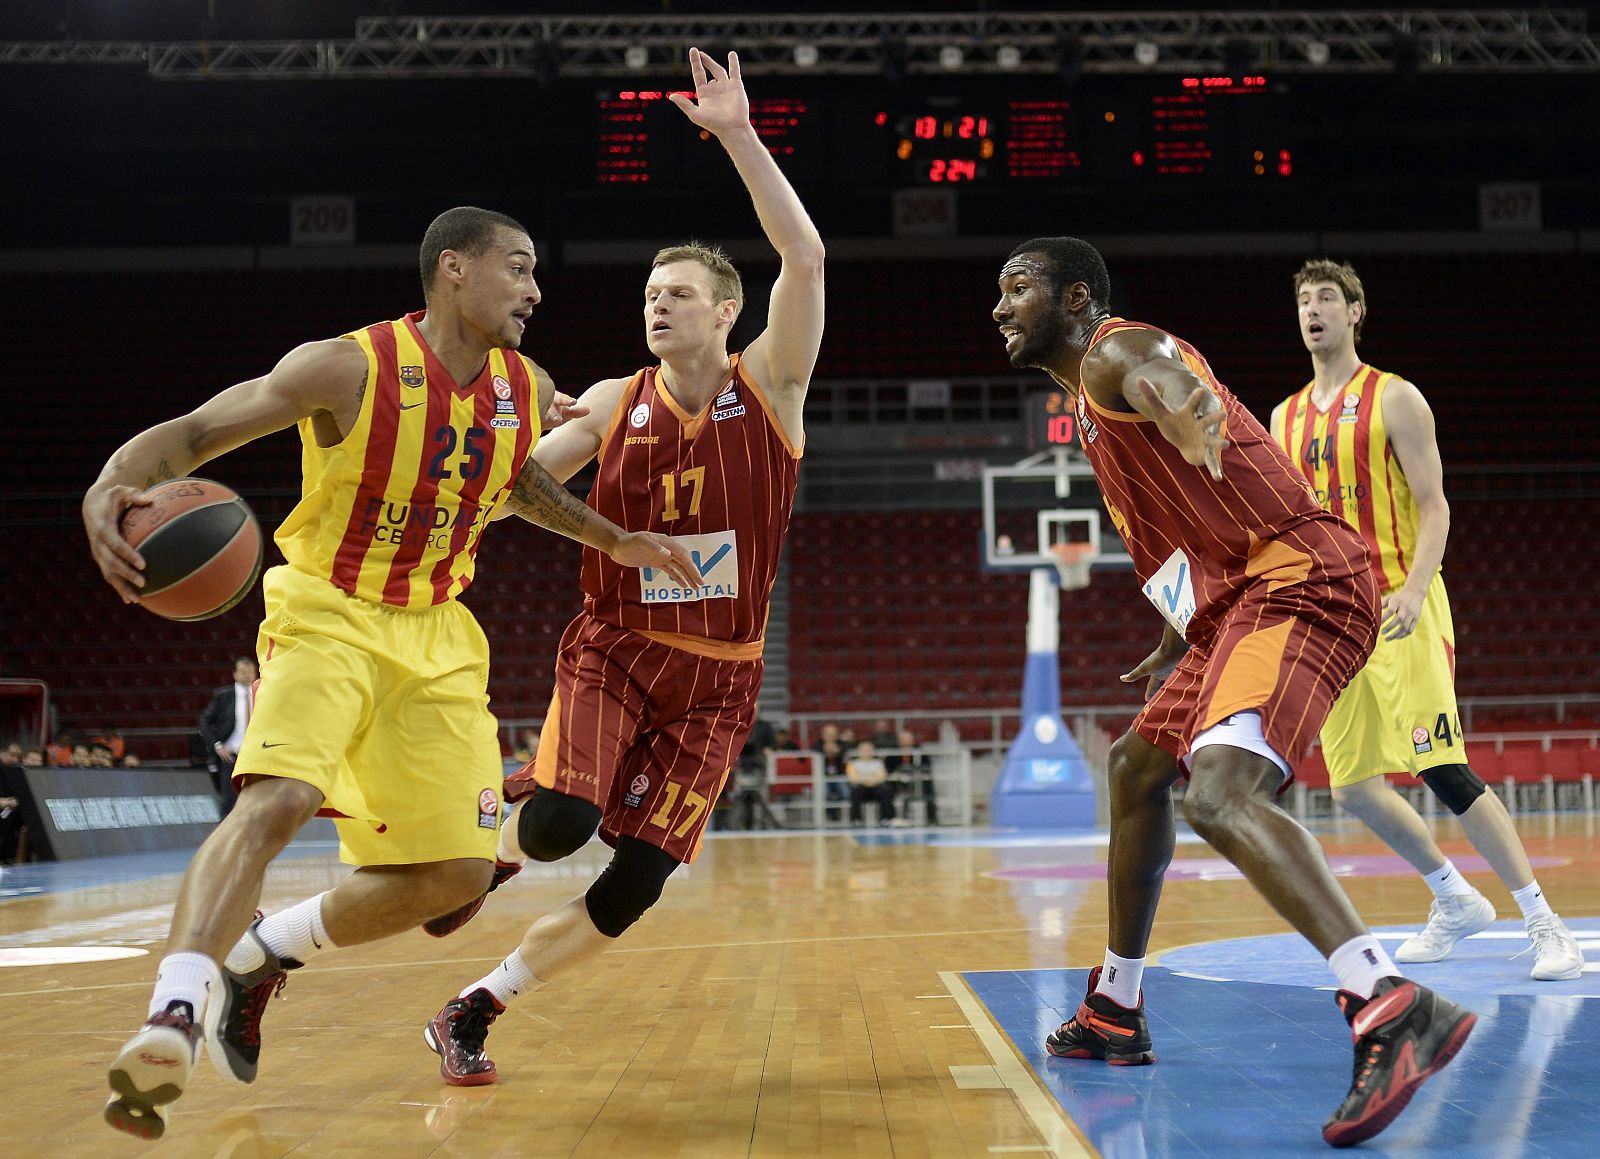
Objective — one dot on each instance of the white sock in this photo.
(1120, 979)
(1359, 963)
(1531, 898)
(296, 932)
(185, 977)
(508, 850)
(508, 980)
(1446, 881)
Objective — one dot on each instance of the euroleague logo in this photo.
(637, 788)
(639, 415)
(502, 388)
(1421, 740)
(488, 808)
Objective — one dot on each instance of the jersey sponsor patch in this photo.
(732, 412)
(715, 555)
(1171, 590)
(504, 423)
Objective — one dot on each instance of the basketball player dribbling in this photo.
(372, 704)
(656, 683)
(1278, 607)
(1364, 439)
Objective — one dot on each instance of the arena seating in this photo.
(866, 588)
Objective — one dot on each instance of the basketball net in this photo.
(1072, 560)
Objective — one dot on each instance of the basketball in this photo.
(202, 548)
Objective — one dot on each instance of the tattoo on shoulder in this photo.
(361, 391)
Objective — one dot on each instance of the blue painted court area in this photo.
(39, 877)
(1251, 1067)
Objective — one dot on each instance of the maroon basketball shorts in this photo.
(1284, 651)
(646, 731)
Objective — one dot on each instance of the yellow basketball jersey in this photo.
(394, 512)
(1344, 453)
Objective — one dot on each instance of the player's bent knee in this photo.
(552, 825)
(1455, 785)
(271, 810)
(631, 884)
(1135, 765)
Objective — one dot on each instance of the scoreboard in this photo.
(1168, 129)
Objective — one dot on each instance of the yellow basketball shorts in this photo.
(386, 711)
(1399, 712)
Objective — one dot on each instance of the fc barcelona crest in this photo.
(412, 375)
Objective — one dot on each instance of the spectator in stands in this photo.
(783, 740)
(131, 761)
(99, 757)
(832, 750)
(1399, 714)
(80, 757)
(222, 728)
(746, 793)
(33, 758)
(917, 771)
(58, 753)
(869, 781)
(886, 740)
(527, 746)
(11, 827)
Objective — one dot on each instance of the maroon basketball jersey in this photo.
(1197, 544)
(723, 481)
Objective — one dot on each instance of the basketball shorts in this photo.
(386, 712)
(1398, 714)
(1283, 651)
(646, 731)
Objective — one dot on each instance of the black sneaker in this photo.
(457, 1033)
(1403, 1034)
(1101, 1029)
(151, 1071)
(449, 923)
(233, 1016)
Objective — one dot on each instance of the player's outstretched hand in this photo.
(720, 103)
(1195, 428)
(562, 408)
(120, 564)
(1157, 666)
(651, 549)
(1401, 610)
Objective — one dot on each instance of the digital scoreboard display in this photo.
(642, 139)
(1128, 130)
(1048, 419)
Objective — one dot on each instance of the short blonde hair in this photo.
(1341, 274)
(725, 281)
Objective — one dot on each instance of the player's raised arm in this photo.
(1140, 369)
(319, 378)
(784, 355)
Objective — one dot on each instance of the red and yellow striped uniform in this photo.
(394, 513)
(374, 677)
(1274, 594)
(1344, 454)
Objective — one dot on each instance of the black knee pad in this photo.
(552, 825)
(630, 885)
(1456, 785)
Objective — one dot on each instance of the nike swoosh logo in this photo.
(409, 405)
(276, 745)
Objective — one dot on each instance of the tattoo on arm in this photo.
(361, 391)
(538, 498)
(161, 474)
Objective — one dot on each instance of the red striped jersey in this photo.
(1197, 544)
(1344, 454)
(723, 481)
(394, 512)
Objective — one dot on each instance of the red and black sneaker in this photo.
(457, 1033)
(233, 1016)
(449, 923)
(1404, 1034)
(1104, 1030)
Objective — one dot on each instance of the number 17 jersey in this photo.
(721, 481)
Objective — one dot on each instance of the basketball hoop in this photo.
(1072, 560)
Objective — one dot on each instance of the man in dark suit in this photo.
(222, 728)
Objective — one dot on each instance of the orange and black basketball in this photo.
(202, 548)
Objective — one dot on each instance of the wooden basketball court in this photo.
(795, 994)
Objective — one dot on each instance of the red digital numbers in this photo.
(952, 169)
